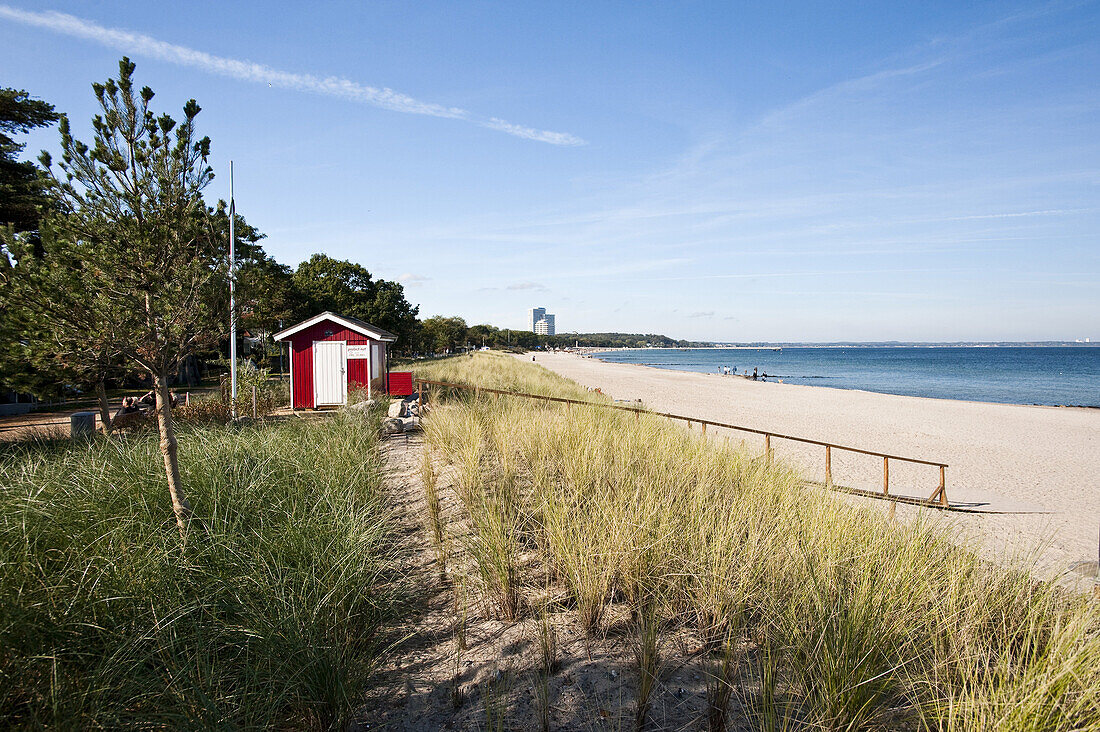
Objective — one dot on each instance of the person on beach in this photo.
(754, 374)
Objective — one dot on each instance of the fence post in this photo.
(943, 486)
(828, 466)
(253, 401)
(187, 398)
(1096, 580)
(420, 399)
(704, 425)
(767, 448)
(886, 476)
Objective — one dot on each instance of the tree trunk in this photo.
(168, 448)
(104, 408)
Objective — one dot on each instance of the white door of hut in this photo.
(330, 368)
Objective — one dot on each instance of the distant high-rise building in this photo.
(542, 322)
(534, 316)
(546, 325)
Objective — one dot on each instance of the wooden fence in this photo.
(938, 498)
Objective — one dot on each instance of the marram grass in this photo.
(266, 618)
(849, 621)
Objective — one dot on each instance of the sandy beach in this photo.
(1039, 467)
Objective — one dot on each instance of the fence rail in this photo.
(937, 499)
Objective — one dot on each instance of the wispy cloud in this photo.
(821, 273)
(140, 44)
(412, 280)
(845, 89)
(702, 314)
(526, 286)
(1019, 214)
(529, 133)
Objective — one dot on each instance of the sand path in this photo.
(1041, 463)
(593, 686)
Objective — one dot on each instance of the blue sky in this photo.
(718, 171)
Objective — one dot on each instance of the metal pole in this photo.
(232, 298)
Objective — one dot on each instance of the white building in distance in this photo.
(546, 325)
(541, 322)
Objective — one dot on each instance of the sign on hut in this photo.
(330, 353)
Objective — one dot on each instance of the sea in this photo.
(1049, 375)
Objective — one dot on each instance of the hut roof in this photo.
(359, 326)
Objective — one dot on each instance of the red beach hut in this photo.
(329, 353)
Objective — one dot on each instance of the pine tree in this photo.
(132, 233)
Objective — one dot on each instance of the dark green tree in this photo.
(336, 285)
(21, 188)
(441, 334)
(266, 295)
(26, 360)
(53, 343)
(390, 310)
(482, 335)
(133, 231)
(347, 288)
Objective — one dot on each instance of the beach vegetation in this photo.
(816, 611)
(268, 618)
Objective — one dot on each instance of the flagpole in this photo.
(232, 298)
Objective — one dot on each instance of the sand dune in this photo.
(1040, 464)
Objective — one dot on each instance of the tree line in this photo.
(442, 334)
